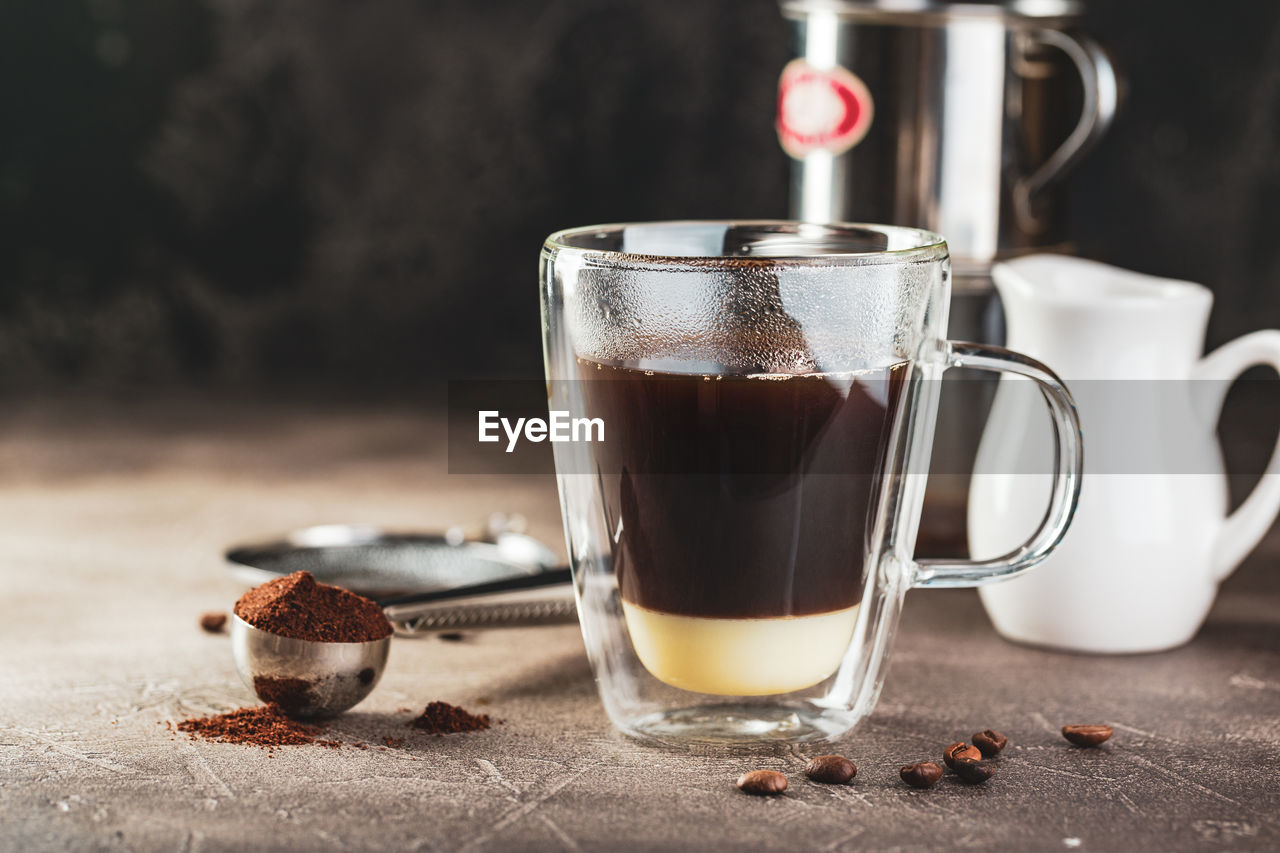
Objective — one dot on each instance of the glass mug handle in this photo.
(1068, 465)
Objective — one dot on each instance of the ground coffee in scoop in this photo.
(301, 609)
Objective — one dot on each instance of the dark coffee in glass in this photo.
(741, 504)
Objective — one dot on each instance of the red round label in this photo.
(827, 109)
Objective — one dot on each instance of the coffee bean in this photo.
(973, 772)
(923, 775)
(959, 750)
(990, 742)
(762, 782)
(1087, 735)
(213, 622)
(831, 769)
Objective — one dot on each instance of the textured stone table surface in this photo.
(111, 526)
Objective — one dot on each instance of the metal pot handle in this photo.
(1100, 91)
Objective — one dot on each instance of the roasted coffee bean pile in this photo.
(964, 759)
(969, 762)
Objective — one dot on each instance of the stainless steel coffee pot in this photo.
(960, 118)
(956, 117)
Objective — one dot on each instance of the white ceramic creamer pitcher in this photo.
(1151, 539)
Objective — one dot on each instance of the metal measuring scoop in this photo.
(426, 583)
(306, 678)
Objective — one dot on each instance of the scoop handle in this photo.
(426, 612)
(428, 619)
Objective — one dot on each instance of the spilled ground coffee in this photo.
(266, 726)
(441, 718)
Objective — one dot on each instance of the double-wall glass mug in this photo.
(741, 523)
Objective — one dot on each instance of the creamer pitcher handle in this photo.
(1101, 90)
(1068, 466)
(1245, 527)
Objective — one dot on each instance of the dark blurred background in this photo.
(338, 195)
